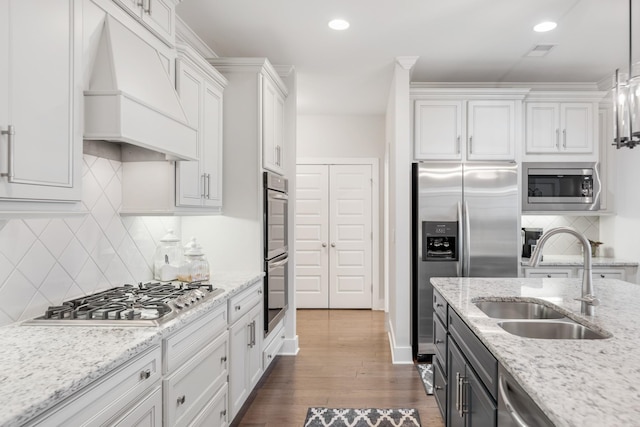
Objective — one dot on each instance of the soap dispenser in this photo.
(167, 258)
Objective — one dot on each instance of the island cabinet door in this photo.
(455, 375)
(480, 408)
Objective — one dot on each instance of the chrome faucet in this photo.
(588, 299)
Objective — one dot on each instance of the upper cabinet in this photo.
(272, 126)
(465, 124)
(157, 15)
(563, 123)
(40, 109)
(200, 86)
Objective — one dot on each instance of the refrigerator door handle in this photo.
(459, 268)
(466, 243)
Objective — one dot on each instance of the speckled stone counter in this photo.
(577, 261)
(575, 382)
(42, 365)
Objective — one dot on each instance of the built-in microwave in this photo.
(556, 186)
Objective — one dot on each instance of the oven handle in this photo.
(277, 195)
(278, 262)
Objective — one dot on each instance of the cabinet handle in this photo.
(438, 387)
(223, 413)
(458, 144)
(557, 139)
(253, 337)
(208, 186)
(10, 132)
(237, 308)
(181, 400)
(250, 326)
(564, 139)
(471, 144)
(278, 155)
(147, 10)
(145, 374)
(324, 245)
(140, 3)
(548, 275)
(602, 276)
(333, 245)
(439, 341)
(458, 392)
(269, 356)
(203, 194)
(439, 304)
(223, 359)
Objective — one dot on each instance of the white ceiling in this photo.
(349, 72)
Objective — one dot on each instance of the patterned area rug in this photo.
(331, 417)
(426, 375)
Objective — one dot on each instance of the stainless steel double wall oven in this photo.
(276, 251)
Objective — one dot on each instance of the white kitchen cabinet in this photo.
(466, 124)
(146, 413)
(40, 109)
(272, 348)
(157, 15)
(196, 360)
(560, 127)
(112, 398)
(438, 130)
(272, 126)
(548, 272)
(245, 339)
(200, 86)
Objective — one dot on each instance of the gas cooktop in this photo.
(144, 304)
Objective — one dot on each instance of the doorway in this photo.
(334, 236)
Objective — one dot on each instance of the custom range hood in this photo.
(131, 99)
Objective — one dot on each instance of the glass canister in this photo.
(167, 258)
(196, 266)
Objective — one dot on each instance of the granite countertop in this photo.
(42, 365)
(577, 260)
(575, 382)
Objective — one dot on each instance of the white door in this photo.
(491, 133)
(312, 236)
(438, 130)
(577, 134)
(333, 236)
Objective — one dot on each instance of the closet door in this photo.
(350, 236)
(312, 236)
(333, 236)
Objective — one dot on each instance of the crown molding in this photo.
(249, 65)
(187, 36)
(533, 86)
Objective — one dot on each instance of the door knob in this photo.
(333, 245)
(324, 245)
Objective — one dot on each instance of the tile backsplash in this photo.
(564, 244)
(45, 261)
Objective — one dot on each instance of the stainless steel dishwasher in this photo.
(515, 407)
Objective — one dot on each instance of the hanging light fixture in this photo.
(626, 103)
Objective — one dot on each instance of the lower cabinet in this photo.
(245, 341)
(119, 398)
(469, 403)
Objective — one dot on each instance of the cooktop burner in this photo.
(144, 304)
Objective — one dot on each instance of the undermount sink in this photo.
(551, 330)
(517, 310)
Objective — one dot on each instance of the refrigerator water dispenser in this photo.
(440, 241)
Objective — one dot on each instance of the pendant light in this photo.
(626, 103)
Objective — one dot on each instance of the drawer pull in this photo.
(438, 304)
(145, 374)
(269, 356)
(602, 275)
(223, 359)
(223, 413)
(548, 275)
(438, 387)
(181, 400)
(238, 308)
(439, 341)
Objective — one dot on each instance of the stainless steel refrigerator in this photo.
(464, 224)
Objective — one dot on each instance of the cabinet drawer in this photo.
(108, 397)
(187, 341)
(188, 390)
(604, 273)
(440, 340)
(271, 351)
(480, 359)
(440, 388)
(440, 306)
(147, 412)
(555, 272)
(215, 413)
(240, 304)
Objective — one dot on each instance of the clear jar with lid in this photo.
(196, 266)
(167, 258)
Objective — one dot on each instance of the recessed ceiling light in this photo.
(338, 24)
(545, 26)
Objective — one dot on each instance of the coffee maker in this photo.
(530, 238)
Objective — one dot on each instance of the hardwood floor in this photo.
(344, 361)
